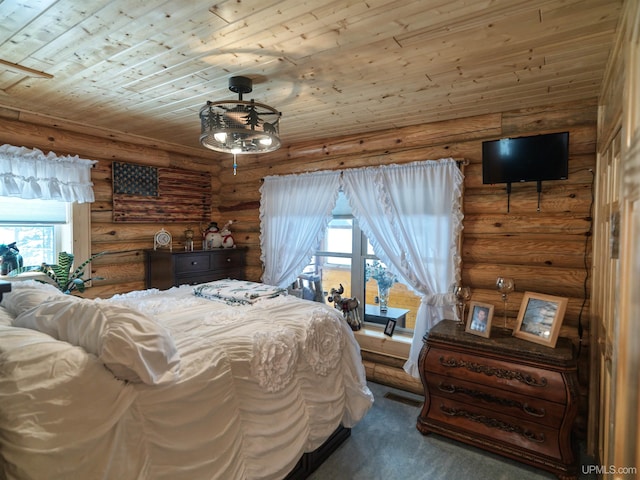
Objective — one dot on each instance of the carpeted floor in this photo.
(386, 445)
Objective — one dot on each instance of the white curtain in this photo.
(411, 215)
(29, 173)
(295, 211)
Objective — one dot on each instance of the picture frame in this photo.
(540, 317)
(479, 320)
(391, 326)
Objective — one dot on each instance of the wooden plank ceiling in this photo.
(332, 67)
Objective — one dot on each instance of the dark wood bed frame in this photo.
(312, 460)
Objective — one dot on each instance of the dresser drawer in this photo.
(511, 431)
(499, 374)
(511, 403)
(228, 259)
(188, 264)
(203, 277)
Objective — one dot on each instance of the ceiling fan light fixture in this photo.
(239, 126)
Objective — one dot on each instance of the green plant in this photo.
(63, 275)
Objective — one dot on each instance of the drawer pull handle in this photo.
(194, 263)
(443, 387)
(228, 260)
(493, 423)
(533, 411)
(494, 371)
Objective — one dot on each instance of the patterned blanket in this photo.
(237, 292)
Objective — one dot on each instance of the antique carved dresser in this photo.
(503, 394)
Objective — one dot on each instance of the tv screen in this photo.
(526, 159)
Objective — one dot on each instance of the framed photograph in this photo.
(480, 316)
(391, 326)
(540, 317)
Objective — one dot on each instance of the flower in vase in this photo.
(380, 274)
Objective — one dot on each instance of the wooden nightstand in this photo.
(502, 394)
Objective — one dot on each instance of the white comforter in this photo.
(258, 386)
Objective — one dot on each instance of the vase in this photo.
(383, 297)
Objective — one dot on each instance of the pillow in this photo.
(28, 294)
(127, 342)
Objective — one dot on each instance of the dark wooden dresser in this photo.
(502, 394)
(165, 269)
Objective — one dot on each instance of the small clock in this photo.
(162, 239)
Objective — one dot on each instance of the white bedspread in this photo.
(259, 385)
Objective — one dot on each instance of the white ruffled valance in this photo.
(30, 173)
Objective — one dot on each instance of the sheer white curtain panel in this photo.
(412, 217)
(295, 211)
(30, 173)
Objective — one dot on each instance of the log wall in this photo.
(547, 251)
(123, 268)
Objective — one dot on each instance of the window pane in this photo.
(402, 303)
(39, 228)
(36, 242)
(332, 272)
(17, 210)
(339, 236)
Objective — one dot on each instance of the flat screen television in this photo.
(526, 159)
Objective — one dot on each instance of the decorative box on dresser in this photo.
(166, 269)
(503, 394)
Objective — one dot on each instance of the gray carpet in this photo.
(386, 445)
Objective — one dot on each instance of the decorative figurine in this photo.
(10, 258)
(188, 243)
(348, 306)
(227, 238)
(211, 237)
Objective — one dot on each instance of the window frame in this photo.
(78, 234)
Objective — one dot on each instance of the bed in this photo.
(226, 380)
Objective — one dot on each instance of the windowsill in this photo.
(372, 339)
(378, 331)
(25, 276)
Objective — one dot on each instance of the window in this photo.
(342, 259)
(42, 229)
(425, 202)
